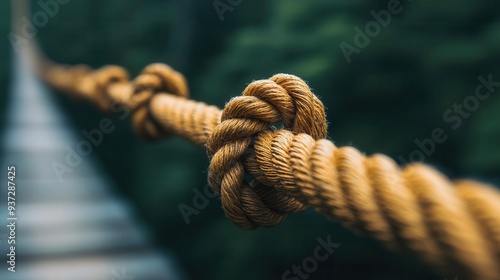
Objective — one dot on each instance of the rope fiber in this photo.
(453, 226)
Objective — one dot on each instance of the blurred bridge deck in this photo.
(77, 229)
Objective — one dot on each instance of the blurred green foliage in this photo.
(394, 91)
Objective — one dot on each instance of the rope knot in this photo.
(282, 99)
(103, 79)
(155, 78)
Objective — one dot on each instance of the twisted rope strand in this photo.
(415, 209)
(452, 226)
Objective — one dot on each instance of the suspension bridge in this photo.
(75, 229)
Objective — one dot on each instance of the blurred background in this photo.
(381, 99)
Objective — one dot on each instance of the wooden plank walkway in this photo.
(76, 229)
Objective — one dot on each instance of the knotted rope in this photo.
(455, 226)
(282, 98)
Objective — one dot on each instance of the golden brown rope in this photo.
(453, 226)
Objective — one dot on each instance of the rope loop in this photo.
(282, 99)
(103, 79)
(155, 78)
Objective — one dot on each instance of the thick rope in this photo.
(455, 226)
